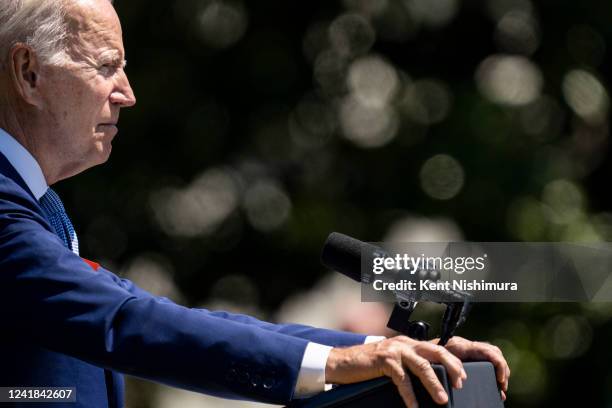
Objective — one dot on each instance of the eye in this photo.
(107, 69)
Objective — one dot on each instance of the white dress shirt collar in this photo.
(24, 163)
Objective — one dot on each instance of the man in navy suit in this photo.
(68, 322)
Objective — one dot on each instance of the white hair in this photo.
(40, 24)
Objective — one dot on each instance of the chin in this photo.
(105, 155)
(103, 151)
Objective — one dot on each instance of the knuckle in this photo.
(387, 357)
(418, 348)
(405, 340)
(423, 346)
(441, 351)
(423, 365)
(402, 338)
(386, 346)
(394, 351)
(399, 341)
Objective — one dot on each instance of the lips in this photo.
(107, 129)
(103, 126)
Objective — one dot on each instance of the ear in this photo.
(25, 73)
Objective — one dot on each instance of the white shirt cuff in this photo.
(373, 339)
(311, 378)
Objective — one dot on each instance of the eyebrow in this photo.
(115, 61)
(114, 56)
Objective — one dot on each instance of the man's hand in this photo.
(389, 358)
(474, 350)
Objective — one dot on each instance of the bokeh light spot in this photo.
(433, 13)
(509, 80)
(367, 126)
(586, 95)
(421, 229)
(517, 32)
(526, 219)
(351, 35)
(222, 23)
(529, 367)
(198, 209)
(267, 205)
(153, 273)
(565, 200)
(373, 81)
(442, 177)
(564, 337)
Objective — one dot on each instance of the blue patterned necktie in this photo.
(56, 214)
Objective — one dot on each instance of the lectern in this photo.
(479, 391)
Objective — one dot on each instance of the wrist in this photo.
(333, 366)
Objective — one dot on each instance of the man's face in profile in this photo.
(83, 97)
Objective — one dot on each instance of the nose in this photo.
(123, 95)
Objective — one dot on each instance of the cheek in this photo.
(89, 110)
(66, 103)
(98, 99)
(78, 102)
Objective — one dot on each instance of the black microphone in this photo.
(347, 255)
(343, 254)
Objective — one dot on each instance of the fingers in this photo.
(403, 383)
(495, 356)
(394, 357)
(466, 349)
(438, 354)
(422, 369)
(416, 356)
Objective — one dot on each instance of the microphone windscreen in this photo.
(343, 254)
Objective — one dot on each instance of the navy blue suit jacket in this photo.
(66, 324)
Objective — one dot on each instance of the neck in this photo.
(23, 131)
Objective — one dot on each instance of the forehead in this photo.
(93, 26)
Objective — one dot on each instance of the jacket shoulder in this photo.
(16, 203)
